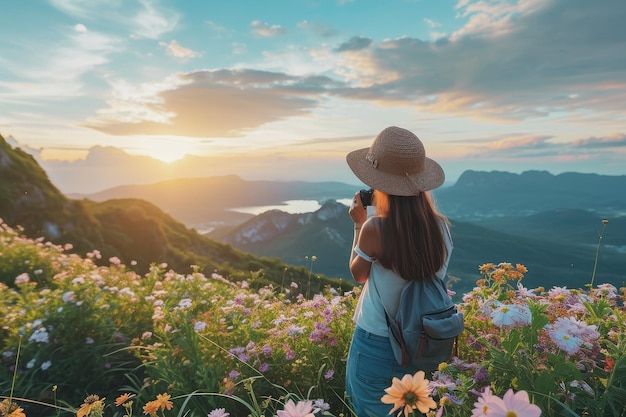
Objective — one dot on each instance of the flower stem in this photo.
(595, 263)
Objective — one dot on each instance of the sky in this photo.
(283, 89)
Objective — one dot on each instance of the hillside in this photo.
(129, 229)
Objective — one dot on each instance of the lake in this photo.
(289, 206)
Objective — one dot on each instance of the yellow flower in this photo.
(484, 268)
(410, 392)
(92, 406)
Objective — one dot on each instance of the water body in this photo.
(289, 206)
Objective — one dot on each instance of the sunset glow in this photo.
(486, 85)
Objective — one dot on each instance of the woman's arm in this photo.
(366, 239)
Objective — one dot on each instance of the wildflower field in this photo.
(86, 340)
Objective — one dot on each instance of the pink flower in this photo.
(302, 409)
(514, 405)
(485, 403)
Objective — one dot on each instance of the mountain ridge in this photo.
(135, 231)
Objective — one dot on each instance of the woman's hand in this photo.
(357, 212)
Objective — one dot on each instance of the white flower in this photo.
(184, 304)
(40, 335)
(22, 279)
(46, 365)
(78, 281)
(30, 364)
(199, 326)
(511, 315)
(69, 297)
(565, 340)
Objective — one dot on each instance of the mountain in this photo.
(208, 200)
(478, 194)
(296, 238)
(129, 229)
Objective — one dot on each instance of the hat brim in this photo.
(430, 178)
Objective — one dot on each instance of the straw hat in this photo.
(396, 163)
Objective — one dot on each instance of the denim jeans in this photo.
(370, 369)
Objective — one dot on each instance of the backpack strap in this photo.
(388, 317)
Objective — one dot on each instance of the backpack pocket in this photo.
(443, 328)
(439, 337)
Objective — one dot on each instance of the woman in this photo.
(407, 238)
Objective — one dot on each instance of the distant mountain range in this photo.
(550, 223)
(479, 195)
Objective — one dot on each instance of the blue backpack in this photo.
(425, 330)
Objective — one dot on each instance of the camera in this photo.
(366, 197)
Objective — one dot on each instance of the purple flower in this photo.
(218, 412)
(267, 350)
(481, 377)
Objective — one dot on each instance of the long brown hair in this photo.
(411, 232)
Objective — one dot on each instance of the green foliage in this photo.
(209, 342)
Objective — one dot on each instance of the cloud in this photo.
(178, 51)
(144, 19)
(266, 30)
(510, 61)
(221, 103)
(59, 69)
(318, 29)
(431, 23)
(80, 28)
(609, 149)
(355, 43)
(152, 21)
(617, 140)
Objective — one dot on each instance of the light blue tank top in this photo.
(369, 313)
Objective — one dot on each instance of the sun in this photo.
(164, 150)
(166, 155)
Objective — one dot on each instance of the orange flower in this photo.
(11, 409)
(163, 400)
(610, 363)
(92, 406)
(123, 398)
(484, 268)
(410, 392)
(151, 408)
(521, 268)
